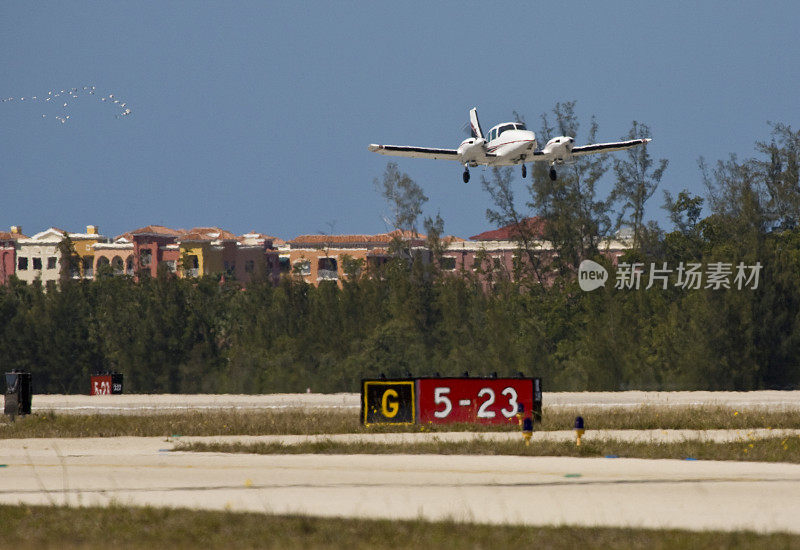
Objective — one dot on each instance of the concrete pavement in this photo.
(148, 404)
(492, 489)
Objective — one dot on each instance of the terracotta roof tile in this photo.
(381, 238)
(154, 230)
(535, 225)
(8, 236)
(211, 234)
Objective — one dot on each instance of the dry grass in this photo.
(775, 449)
(117, 527)
(236, 422)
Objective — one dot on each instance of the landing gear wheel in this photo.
(466, 176)
(553, 174)
(524, 172)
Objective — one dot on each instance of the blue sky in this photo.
(256, 116)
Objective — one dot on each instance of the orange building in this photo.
(118, 255)
(319, 258)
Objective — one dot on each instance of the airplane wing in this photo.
(414, 152)
(606, 147)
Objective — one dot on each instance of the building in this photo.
(8, 252)
(318, 258)
(116, 255)
(498, 253)
(206, 251)
(214, 251)
(83, 244)
(39, 257)
(153, 245)
(256, 253)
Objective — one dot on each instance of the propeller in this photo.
(474, 124)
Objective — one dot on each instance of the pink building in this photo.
(154, 245)
(495, 255)
(8, 252)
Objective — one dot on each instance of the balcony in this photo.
(327, 275)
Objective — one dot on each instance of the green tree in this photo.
(637, 180)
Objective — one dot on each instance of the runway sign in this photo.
(477, 400)
(106, 384)
(388, 402)
(450, 400)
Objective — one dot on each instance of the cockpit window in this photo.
(520, 126)
(505, 127)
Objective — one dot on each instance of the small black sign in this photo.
(388, 402)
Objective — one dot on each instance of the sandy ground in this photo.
(143, 404)
(493, 489)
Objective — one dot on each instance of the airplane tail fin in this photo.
(475, 126)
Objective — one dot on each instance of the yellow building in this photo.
(83, 244)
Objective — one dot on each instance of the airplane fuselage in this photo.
(511, 147)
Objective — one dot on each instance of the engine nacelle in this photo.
(472, 150)
(559, 148)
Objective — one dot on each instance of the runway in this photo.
(696, 495)
(149, 404)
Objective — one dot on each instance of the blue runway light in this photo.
(527, 430)
(579, 430)
(527, 425)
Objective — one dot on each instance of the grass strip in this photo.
(238, 422)
(119, 527)
(773, 449)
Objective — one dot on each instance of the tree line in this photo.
(173, 335)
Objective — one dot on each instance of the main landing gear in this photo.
(466, 175)
(553, 174)
(524, 171)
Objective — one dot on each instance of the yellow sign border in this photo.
(411, 383)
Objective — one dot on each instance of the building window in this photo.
(22, 264)
(249, 266)
(328, 268)
(230, 268)
(117, 265)
(303, 267)
(285, 264)
(145, 257)
(88, 266)
(172, 265)
(448, 263)
(51, 262)
(129, 265)
(37, 264)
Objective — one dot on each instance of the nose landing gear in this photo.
(553, 174)
(524, 171)
(465, 176)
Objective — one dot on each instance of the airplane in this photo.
(506, 144)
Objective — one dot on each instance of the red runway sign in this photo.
(105, 384)
(475, 400)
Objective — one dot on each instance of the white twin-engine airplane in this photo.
(507, 144)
